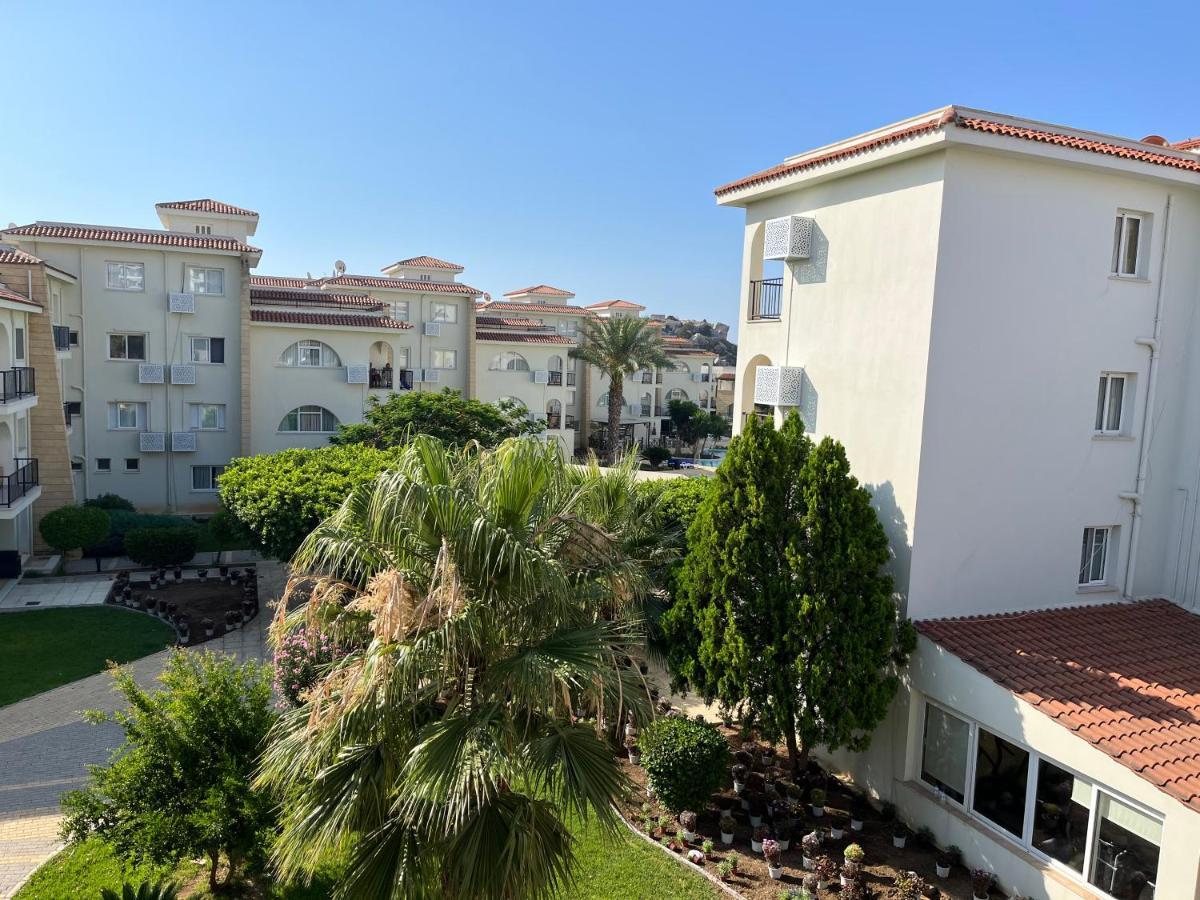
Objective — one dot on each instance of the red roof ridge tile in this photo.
(515, 338)
(207, 205)
(123, 235)
(545, 290)
(14, 297)
(296, 317)
(424, 262)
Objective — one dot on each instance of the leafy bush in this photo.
(299, 660)
(171, 546)
(110, 502)
(71, 527)
(121, 522)
(445, 415)
(656, 455)
(685, 761)
(280, 497)
(144, 891)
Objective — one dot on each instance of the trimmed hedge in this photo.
(171, 546)
(685, 761)
(121, 522)
(110, 502)
(70, 527)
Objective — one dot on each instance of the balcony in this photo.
(555, 377)
(553, 420)
(572, 423)
(766, 299)
(21, 485)
(62, 338)
(388, 378)
(17, 384)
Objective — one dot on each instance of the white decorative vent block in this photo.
(431, 376)
(183, 441)
(541, 376)
(150, 373)
(358, 373)
(778, 385)
(788, 238)
(433, 329)
(152, 442)
(182, 301)
(183, 374)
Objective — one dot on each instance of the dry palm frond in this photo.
(318, 594)
(586, 545)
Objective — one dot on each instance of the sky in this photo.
(563, 143)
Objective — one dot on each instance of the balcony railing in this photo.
(385, 378)
(570, 379)
(571, 422)
(555, 377)
(16, 383)
(553, 420)
(766, 299)
(62, 337)
(705, 376)
(15, 486)
(647, 410)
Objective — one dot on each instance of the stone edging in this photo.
(717, 882)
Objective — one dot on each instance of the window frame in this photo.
(137, 405)
(1104, 398)
(137, 465)
(1107, 562)
(327, 356)
(192, 339)
(108, 279)
(194, 407)
(206, 270)
(309, 409)
(212, 479)
(437, 307)
(1121, 244)
(444, 368)
(104, 469)
(126, 335)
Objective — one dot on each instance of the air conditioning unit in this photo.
(778, 385)
(183, 441)
(183, 374)
(152, 442)
(788, 238)
(151, 373)
(358, 373)
(433, 329)
(541, 376)
(431, 376)
(182, 301)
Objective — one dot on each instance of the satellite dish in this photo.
(487, 298)
(339, 267)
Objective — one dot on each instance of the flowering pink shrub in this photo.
(299, 659)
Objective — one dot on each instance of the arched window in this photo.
(310, 355)
(555, 364)
(508, 361)
(676, 394)
(681, 366)
(309, 419)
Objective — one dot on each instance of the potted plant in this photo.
(126, 594)
(696, 857)
(772, 854)
(183, 628)
(771, 778)
(810, 885)
(757, 838)
(249, 605)
(981, 883)
(910, 886)
(207, 625)
(735, 860)
(758, 808)
(664, 824)
(836, 831)
(738, 770)
(172, 611)
(160, 609)
(948, 859)
(229, 624)
(825, 870)
(153, 582)
(707, 847)
(202, 574)
(224, 570)
(852, 859)
(899, 835)
(783, 834)
(816, 799)
(810, 846)
(887, 811)
(631, 747)
(687, 821)
(857, 812)
(178, 573)
(924, 838)
(725, 870)
(768, 757)
(727, 826)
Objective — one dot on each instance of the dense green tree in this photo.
(618, 348)
(74, 527)
(783, 608)
(445, 415)
(714, 426)
(687, 422)
(180, 785)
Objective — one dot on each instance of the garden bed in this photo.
(194, 600)
(882, 863)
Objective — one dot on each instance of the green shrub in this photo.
(121, 522)
(685, 761)
(656, 456)
(110, 502)
(71, 527)
(144, 891)
(171, 546)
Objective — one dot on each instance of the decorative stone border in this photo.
(717, 882)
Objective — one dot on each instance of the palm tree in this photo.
(500, 615)
(618, 348)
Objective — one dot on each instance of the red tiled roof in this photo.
(281, 281)
(309, 297)
(1189, 144)
(524, 338)
(950, 115)
(15, 256)
(543, 290)
(617, 304)
(1123, 676)
(493, 322)
(306, 318)
(152, 237)
(207, 205)
(426, 262)
(726, 376)
(400, 284)
(6, 294)
(503, 306)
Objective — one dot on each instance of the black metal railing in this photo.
(571, 421)
(387, 379)
(705, 376)
(62, 337)
(15, 486)
(647, 378)
(555, 377)
(570, 379)
(766, 299)
(647, 410)
(381, 378)
(16, 383)
(553, 420)
(404, 379)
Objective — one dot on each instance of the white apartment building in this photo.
(997, 318)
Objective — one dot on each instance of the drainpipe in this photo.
(1136, 496)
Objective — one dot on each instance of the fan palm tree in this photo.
(618, 348)
(503, 620)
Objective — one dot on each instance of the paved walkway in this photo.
(39, 593)
(45, 746)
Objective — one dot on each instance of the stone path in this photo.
(40, 593)
(45, 745)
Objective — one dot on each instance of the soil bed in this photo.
(197, 600)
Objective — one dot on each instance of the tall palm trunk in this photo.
(616, 396)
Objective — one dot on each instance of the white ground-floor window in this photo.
(1095, 560)
(204, 478)
(1078, 825)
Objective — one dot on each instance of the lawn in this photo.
(44, 648)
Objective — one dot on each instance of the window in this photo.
(402, 356)
(121, 276)
(1110, 404)
(124, 415)
(1061, 810)
(944, 752)
(509, 362)
(203, 229)
(208, 349)
(444, 359)
(1001, 776)
(425, 278)
(570, 398)
(676, 394)
(103, 464)
(207, 416)
(1127, 239)
(133, 464)
(443, 312)
(310, 355)
(73, 338)
(203, 280)
(1125, 855)
(19, 343)
(400, 310)
(204, 478)
(1093, 560)
(76, 465)
(567, 326)
(126, 346)
(312, 419)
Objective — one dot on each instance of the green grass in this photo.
(624, 866)
(44, 648)
(82, 870)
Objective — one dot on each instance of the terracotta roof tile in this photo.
(16, 256)
(1189, 144)
(207, 205)
(503, 306)
(400, 284)
(426, 262)
(615, 304)
(1123, 676)
(281, 281)
(14, 297)
(307, 318)
(524, 338)
(310, 297)
(493, 322)
(149, 236)
(542, 290)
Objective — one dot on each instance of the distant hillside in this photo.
(712, 336)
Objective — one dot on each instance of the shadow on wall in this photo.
(883, 498)
(813, 269)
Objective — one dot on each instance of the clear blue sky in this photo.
(569, 143)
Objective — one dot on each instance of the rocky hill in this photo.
(712, 336)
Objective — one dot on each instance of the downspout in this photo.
(1152, 344)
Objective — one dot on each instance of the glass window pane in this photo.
(200, 350)
(1061, 812)
(216, 350)
(216, 281)
(1099, 553)
(944, 756)
(199, 479)
(1125, 857)
(1001, 774)
(1100, 397)
(1133, 228)
(137, 346)
(116, 346)
(1116, 256)
(1116, 393)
